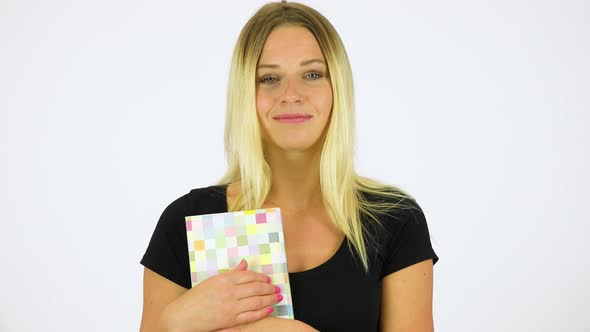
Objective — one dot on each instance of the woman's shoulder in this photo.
(391, 204)
(393, 212)
(402, 232)
(199, 200)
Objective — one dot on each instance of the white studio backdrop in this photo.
(109, 110)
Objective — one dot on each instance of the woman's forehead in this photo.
(286, 44)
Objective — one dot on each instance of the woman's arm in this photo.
(170, 307)
(407, 299)
(158, 292)
(273, 324)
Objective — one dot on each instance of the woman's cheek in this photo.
(325, 102)
(263, 105)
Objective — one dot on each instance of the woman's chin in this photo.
(294, 146)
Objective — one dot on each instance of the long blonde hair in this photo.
(345, 193)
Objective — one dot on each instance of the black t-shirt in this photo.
(334, 296)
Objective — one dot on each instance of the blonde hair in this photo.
(345, 194)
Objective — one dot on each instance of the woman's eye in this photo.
(317, 77)
(267, 80)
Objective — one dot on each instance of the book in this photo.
(217, 242)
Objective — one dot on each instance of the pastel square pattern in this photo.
(217, 242)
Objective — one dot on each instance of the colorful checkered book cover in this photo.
(217, 242)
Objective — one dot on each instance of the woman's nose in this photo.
(291, 91)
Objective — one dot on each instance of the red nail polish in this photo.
(279, 297)
(277, 289)
(268, 279)
(269, 310)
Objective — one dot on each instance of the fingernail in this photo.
(269, 310)
(279, 297)
(268, 279)
(277, 289)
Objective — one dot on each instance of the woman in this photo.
(359, 253)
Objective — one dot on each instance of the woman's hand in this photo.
(226, 300)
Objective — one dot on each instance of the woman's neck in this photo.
(295, 180)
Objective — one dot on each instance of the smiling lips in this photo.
(292, 118)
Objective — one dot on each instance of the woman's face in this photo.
(292, 79)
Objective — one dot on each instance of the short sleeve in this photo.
(167, 252)
(409, 242)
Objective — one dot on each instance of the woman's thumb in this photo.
(242, 265)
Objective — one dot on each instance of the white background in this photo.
(110, 110)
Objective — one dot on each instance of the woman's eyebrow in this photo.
(303, 63)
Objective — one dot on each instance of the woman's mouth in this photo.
(293, 118)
